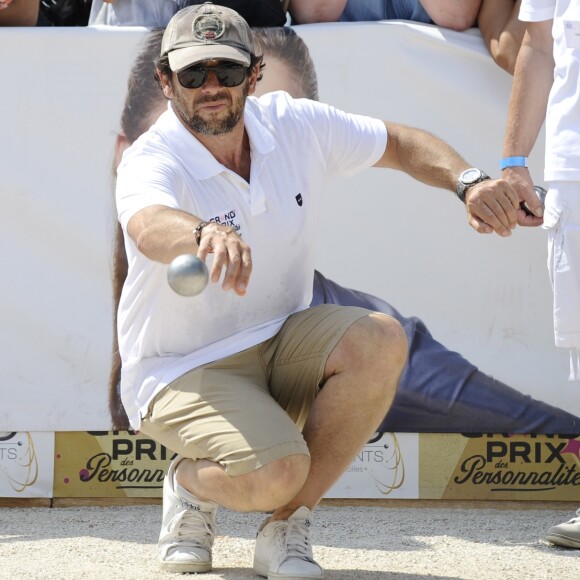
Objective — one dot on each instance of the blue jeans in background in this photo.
(372, 10)
(442, 392)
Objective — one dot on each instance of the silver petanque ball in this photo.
(541, 193)
(187, 275)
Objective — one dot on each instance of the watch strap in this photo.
(461, 188)
(197, 231)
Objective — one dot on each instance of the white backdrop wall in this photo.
(61, 100)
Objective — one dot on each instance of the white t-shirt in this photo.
(148, 13)
(563, 113)
(296, 146)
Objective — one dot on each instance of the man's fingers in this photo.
(528, 198)
(231, 256)
(494, 203)
(532, 203)
(506, 217)
(245, 272)
(502, 207)
(220, 256)
(479, 226)
(485, 214)
(232, 269)
(527, 220)
(204, 249)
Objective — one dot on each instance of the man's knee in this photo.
(276, 483)
(376, 343)
(388, 350)
(392, 335)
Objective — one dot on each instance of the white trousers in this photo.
(562, 220)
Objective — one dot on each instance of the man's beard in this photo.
(217, 126)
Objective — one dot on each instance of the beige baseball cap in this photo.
(206, 32)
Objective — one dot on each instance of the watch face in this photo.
(470, 175)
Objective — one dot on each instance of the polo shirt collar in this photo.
(195, 156)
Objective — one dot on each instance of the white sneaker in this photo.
(566, 534)
(283, 549)
(187, 530)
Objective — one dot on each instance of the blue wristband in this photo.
(518, 161)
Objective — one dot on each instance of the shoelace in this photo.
(193, 528)
(575, 520)
(297, 539)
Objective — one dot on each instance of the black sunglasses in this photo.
(229, 74)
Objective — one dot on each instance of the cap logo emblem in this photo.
(208, 27)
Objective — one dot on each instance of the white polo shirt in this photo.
(562, 169)
(562, 162)
(296, 146)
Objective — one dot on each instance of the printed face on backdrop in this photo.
(278, 76)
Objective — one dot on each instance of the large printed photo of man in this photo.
(440, 391)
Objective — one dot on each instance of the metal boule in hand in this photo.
(187, 275)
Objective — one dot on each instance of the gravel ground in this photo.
(351, 543)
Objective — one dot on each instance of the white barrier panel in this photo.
(63, 92)
(59, 120)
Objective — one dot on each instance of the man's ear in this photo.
(253, 79)
(165, 83)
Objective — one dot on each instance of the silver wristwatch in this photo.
(468, 179)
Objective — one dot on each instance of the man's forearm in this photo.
(502, 31)
(533, 79)
(162, 233)
(422, 156)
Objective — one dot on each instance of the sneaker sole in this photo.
(286, 577)
(262, 569)
(186, 567)
(564, 541)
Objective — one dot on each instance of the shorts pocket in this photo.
(554, 217)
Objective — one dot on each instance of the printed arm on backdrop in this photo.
(491, 205)
(502, 31)
(533, 78)
(455, 14)
(162, 233)
(310, 11)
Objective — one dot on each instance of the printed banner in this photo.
(387, 467)
(109, 464)
(124, 464)
(390, 466)
(26, 464)
(500, 467)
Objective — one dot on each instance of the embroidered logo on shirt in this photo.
(299, 199)
(228, 218)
